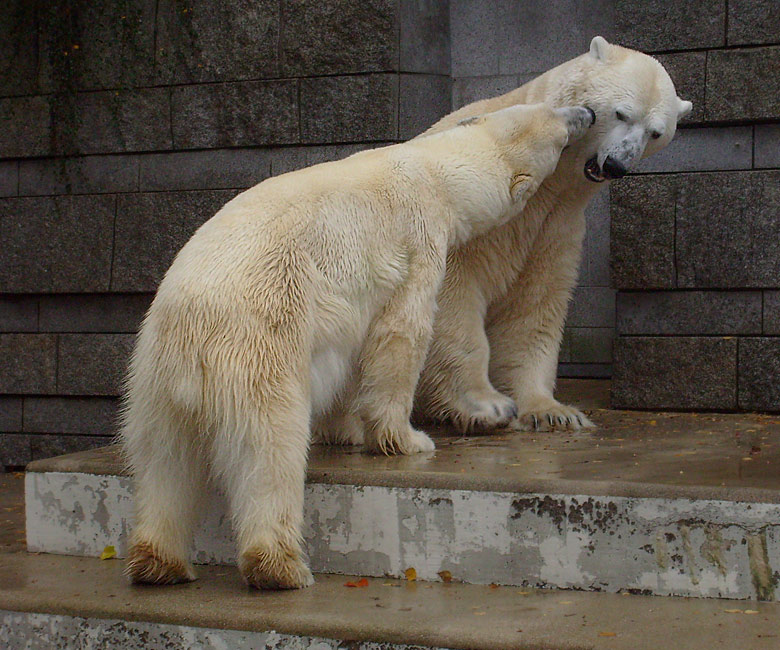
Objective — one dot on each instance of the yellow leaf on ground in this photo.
(445, 576)
(411, 574)
(607, 633)
(108, 552)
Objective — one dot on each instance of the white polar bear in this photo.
(502, 306)
(269, 308)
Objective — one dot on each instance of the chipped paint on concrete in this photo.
(660, 546)
(45, 631)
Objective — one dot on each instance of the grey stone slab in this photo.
(28, 363)
(424, 99)
(18, 48)
(689, 313)
(56, 244)
(466, 90)
(728, 231)
(82, 175)
(10, 413)
(592, 307)
(591, 344)
(475, 43)
(9, 178)
(150, 230)
(92, 364)
(675, 373)
(759, 369)
(643, 232)
(120, 313)
(767, 145)
(338, 37)
(771, 312)
(349, 109)
(688, 72)
(597, 238)
(14, 450)
(210, 169)
(47, 446)
(105, 44)
(72, 415)
(743, 84)
(704, 149)
(536, 35)
(226, 41)
(117, 121)
(18, 313)
(235, 114)
(753, 22)
(657, 25)
(425, 36)
(27, 127)
(288, 159)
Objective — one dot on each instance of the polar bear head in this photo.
(531, 138)
(636, 105)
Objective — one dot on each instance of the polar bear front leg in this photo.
(341, 426)
(392, 359)
(525, 326)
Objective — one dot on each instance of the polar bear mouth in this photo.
(593, 172)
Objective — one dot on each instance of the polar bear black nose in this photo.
(613, 169)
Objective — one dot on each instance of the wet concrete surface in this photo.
(630, 453)
(390, 611)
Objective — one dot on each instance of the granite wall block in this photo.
(28, 363)
(675, 373)
(92, 364)
(71, 415)
(247, 113)
(743, 84)
(759, 370)
(120, 313)
(56, 244)
(689, 313)
(643, 232)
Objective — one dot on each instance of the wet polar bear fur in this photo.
(265, 313)
(494, 354)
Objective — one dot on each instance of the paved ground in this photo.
(444, 615)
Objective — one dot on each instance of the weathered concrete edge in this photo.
(140, 630)
(80, 463)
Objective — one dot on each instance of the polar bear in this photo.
(494, 353)
(267, 311)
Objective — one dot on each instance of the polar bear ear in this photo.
(683, 107)
(599, 48)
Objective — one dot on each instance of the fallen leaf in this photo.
(108, 552)
(411, 574)
(733, 611)
(479, 613)
(565, 602)
(360, 583)
(607, 633)
(493, 585)
(445, 576)
(751, 611)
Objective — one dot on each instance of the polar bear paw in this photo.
(547, 414)
(339, 430)
(485, 411)
(406, 442)
(274, 568)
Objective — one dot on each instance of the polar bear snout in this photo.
(578, 120)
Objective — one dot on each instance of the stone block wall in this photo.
(127, 124)
(696, 233)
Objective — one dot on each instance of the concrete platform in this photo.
(657, 503)
(49, 601)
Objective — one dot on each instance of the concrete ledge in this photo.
(67, 592)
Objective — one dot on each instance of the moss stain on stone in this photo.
(764, 580)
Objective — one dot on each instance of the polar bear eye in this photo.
(655, 135)
(621, 116)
